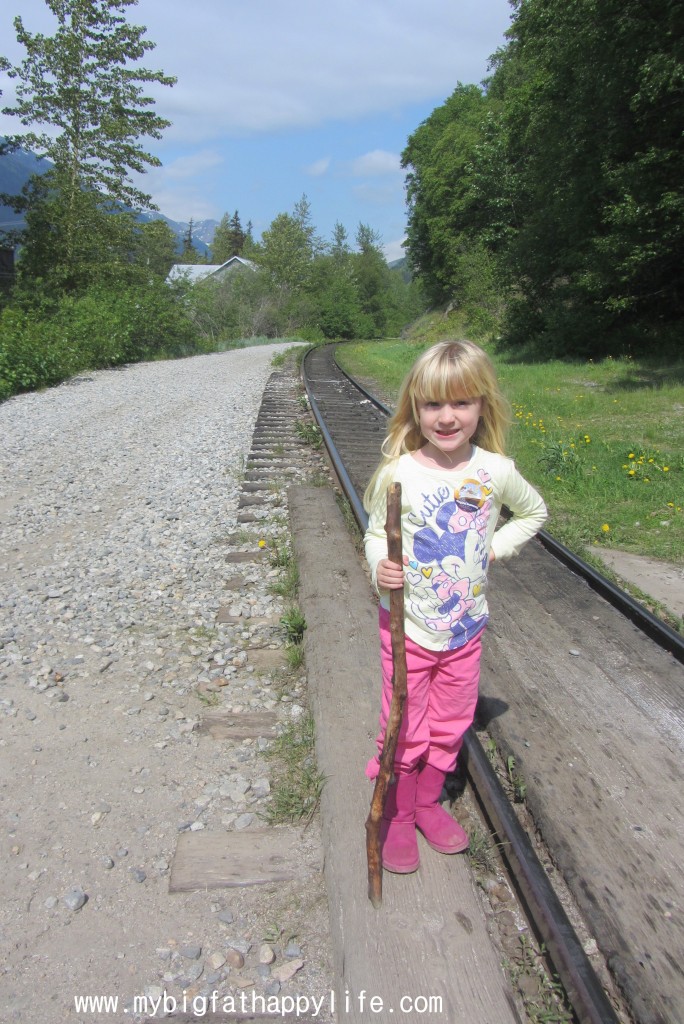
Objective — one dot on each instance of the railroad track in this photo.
(353, 424)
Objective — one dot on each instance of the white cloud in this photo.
(266, 65)
(376, 163)
(379, 194)
(193, 165)
(256, 79)
(318, 168)
(394, 250)
(183, 203)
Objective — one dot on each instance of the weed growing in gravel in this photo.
(280, 555)
(481, 851)
(543, 995)
(516, 781)
(294, 654)
(280, 358)
(275, 934)
(202, 633)
(353, 528)
(241, 537)
(211, 700)
(288, 585)
(294, 624)
(298, 785)
(309, 433)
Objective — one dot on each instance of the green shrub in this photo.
(105, 326)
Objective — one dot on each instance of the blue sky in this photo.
(276, 98)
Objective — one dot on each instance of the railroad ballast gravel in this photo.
(118, 503)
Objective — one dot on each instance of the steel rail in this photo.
(584, 990)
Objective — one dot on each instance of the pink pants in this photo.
(440, 705)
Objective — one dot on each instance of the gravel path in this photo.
(117, 493)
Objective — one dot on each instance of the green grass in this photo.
(603, 442)
(298, 784)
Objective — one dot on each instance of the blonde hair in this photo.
(443, 372)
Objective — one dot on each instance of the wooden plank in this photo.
(592, 712)
(245, 556)
(226, 725)
(235, 583)
(267, 659)
(225, 860)
(429, 921)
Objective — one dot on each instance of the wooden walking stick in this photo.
(389, 747)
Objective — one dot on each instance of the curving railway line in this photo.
(643, 963)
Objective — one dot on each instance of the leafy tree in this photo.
(82, 89)
(105, 246)
(335, 287)
(288, 247)
(590, 132)
(156, 247)
(373, 281)
(443, 206)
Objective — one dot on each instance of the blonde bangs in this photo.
(447, 371)
(443, 382)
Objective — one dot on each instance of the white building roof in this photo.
(195, 272)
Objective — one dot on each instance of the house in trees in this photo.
(196, 273)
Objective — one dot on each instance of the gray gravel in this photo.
(118, 502)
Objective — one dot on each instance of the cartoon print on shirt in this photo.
(443, 597)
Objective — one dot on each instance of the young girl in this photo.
(445, 446)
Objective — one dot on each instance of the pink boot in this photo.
(398, 827)
(439, 828)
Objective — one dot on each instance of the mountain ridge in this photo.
(18, 166)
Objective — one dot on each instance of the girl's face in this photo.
(448, 427)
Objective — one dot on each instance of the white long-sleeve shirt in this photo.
(449, 521)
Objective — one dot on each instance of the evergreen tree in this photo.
(189, 253)
(229, 238)
(220, 246)
(340, 248)
(238, 235)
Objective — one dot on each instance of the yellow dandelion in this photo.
(605, 528)
(631, 472)
(666, 469)
(631, 455)
(261, 544)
